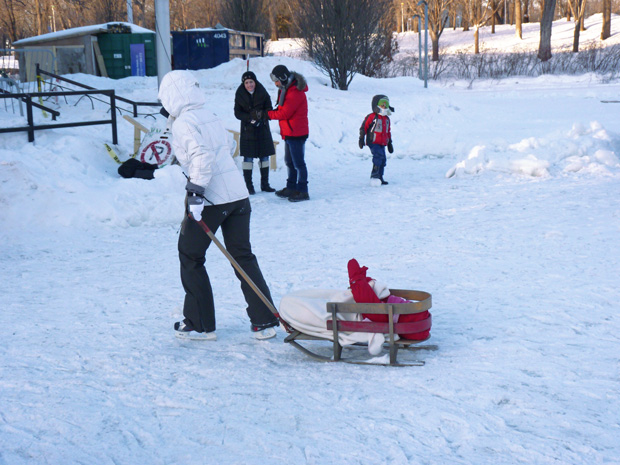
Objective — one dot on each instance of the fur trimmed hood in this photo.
(301, 80)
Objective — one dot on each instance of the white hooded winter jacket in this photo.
(199, 140)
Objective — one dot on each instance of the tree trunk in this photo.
(579, 12)
(435, 54)
(37, 7)
(10, 21)
(576, 36)
(518, 18)
(143, 13)
(476, 40)
(526, 11)
(273, 21)
(606, 29)
(544, 47)
(183, 17)
(493, 8)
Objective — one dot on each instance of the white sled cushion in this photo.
(306, 311)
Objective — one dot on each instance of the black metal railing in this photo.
(134, 104)
(19, 96)
(31, 127)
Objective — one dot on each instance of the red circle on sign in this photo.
(158, 149)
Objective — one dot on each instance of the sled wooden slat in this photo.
(420, 301)
(377, 327)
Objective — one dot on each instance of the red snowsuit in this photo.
(364, 293)
(381, 133)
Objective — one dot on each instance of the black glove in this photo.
(255, 122)
(390, 147)
(361, 142)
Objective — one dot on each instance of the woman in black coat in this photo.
(251, 105)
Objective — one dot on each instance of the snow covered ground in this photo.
(503, 203)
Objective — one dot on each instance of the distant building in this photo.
(114, 50)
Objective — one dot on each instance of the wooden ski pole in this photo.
(237, 267)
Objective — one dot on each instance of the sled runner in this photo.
(341, 312)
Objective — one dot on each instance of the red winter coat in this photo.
(293, 112)
(364, 293)
(381, 132)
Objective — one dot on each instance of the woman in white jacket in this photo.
(200, 144)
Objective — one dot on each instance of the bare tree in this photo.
(9, 18)
(345, 37)
(141, 7)
(37, 16)
(72, 13)
(479, 14)
(526, 11)
(273, 23)
(578, 8)
(190, 14)
(246, 15)
(546, 23)
(105, 11)
(437, 20)
(606, 29)
(518, 20)
(438, 15)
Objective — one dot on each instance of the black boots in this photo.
(264, 180)
(292, 195)
(285, 193)
(298, 196)
(247, 175)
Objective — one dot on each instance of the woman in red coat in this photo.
(292, 113)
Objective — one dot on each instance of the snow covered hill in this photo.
(503, 203)
(504, 38)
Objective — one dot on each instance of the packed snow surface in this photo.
(503, 203)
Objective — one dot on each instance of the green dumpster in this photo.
(122, 60)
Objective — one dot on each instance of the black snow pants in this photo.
(199, 308)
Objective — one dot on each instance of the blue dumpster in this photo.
(207, 48)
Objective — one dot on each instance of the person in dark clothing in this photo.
(292, 113)
(252, 102)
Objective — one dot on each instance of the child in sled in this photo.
(376, 134)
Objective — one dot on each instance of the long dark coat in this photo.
(255, 142)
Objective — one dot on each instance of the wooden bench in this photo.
(420, 302)
(139, 128)
(272, 159)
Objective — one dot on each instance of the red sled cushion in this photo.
(413, 317)
(378, 317)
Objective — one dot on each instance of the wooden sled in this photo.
(421, 301)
